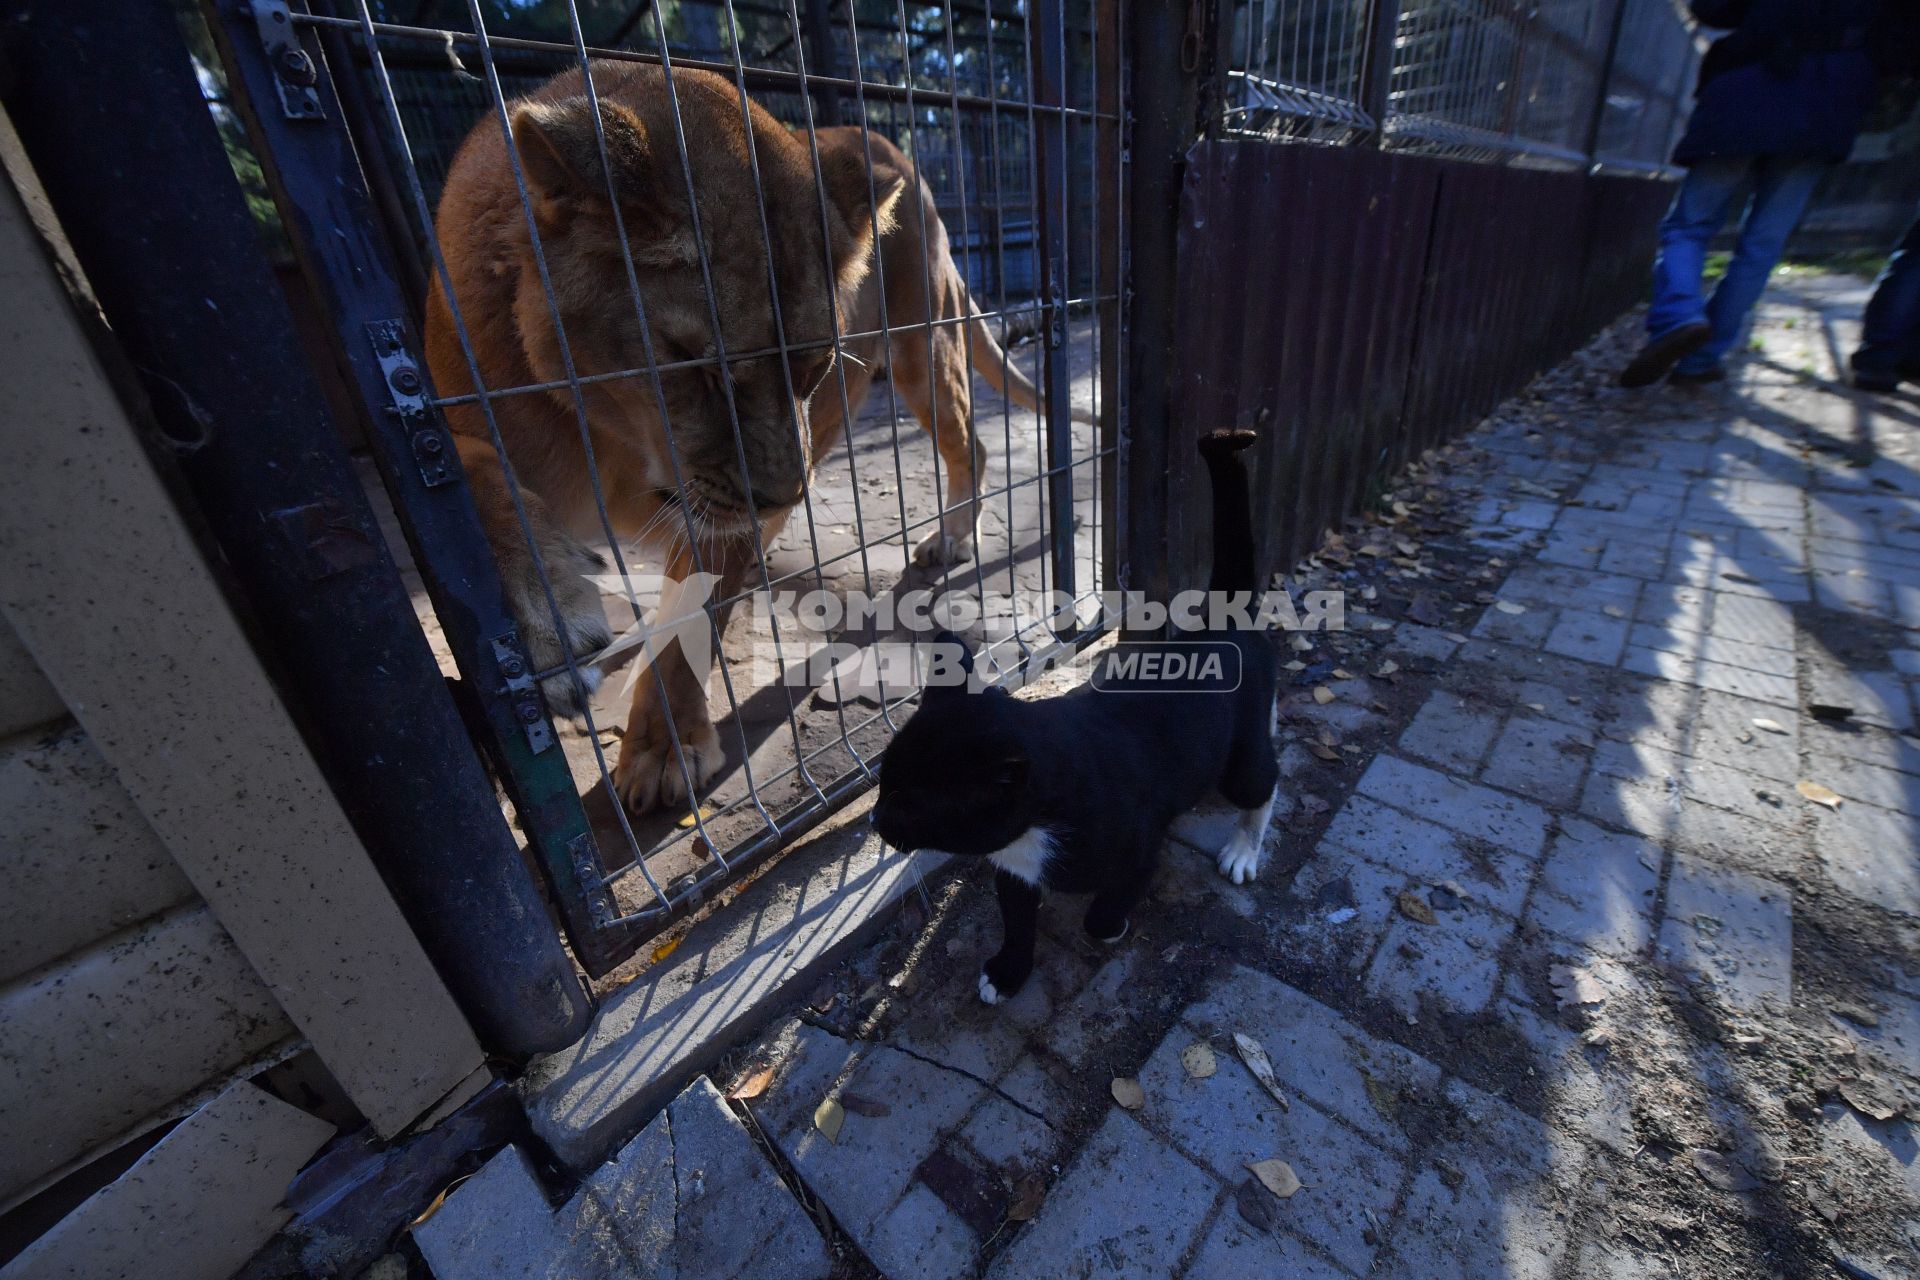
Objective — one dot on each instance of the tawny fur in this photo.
(784, 430)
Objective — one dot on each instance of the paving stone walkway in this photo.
(1588, 946)
(1570, 980)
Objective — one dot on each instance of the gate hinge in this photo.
(516, 673)
(294, 73)
(1057, 317)
(585, 855)
(407, 396)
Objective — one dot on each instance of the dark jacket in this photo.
(1791, 78)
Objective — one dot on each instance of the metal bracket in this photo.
(586, 869)
(408, 392)
(294, 72)
(517, 674)
(1057, 317)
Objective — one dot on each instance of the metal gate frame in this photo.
(304, 126)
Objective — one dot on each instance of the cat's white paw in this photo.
(989, 994)
(1240, 860)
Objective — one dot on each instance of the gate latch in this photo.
(516, 673)
(407, 401)
(294, 72)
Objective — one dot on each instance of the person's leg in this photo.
(1782, 189)
(1677, 320)
(1891, 326)
(1699, 210)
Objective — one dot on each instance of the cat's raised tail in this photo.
(1233, 568)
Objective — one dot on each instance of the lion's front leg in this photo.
(670, 750)
(670, 744)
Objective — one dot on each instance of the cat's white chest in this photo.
(1026, 858)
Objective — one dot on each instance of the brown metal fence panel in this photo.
(1304, 269)
(1359, 307)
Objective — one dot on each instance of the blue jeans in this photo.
(1782, 186)
(1890, 329)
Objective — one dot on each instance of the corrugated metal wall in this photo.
(1358, 307)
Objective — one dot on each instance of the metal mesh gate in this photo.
(720, 309)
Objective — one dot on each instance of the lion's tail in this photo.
(1003, 375)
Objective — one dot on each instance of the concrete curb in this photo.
(733, 973)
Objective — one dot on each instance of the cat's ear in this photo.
(946, 637)
(1012, 771)
(949, 665)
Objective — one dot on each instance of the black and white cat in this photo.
(1076, 793)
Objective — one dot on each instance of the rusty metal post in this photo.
(1050, 159)
(1169, 69)
(1599, 114)
(1376, 78)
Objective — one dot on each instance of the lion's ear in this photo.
(560, 150)
(868, 203)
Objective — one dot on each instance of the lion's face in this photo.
(819, 254)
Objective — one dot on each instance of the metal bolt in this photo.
(529, 713)
(511, 667)
(405, 380)
(296, 66)
(430, 442)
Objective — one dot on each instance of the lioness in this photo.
(790, 412)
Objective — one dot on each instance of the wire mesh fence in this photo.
(723, 312)
(768, 334)
(1560, 83)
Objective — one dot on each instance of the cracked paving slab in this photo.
(689, 1197)
(897, 1108)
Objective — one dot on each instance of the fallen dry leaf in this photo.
(828, 1117)
(1028, 1193)
(1454, 636)
(666, 949)
(1256, 1207)
(1613, 611)
(1299, 643)
(1386, 668)
(1818, 794)
(1718, 1169)
(1508, 606)
(1322, 694)
(1198, 1060)
(1414, 907)
(1341, 673)
(753, 1086)
(1261, 1067)
(1128, 1093)
(1574, 986)
(1276, 1176)
(689, 818)
(1871, 1096)
(1769, 726)
(1296, 665)
(1322, 750)
(872, 1108)
(438, 1201)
